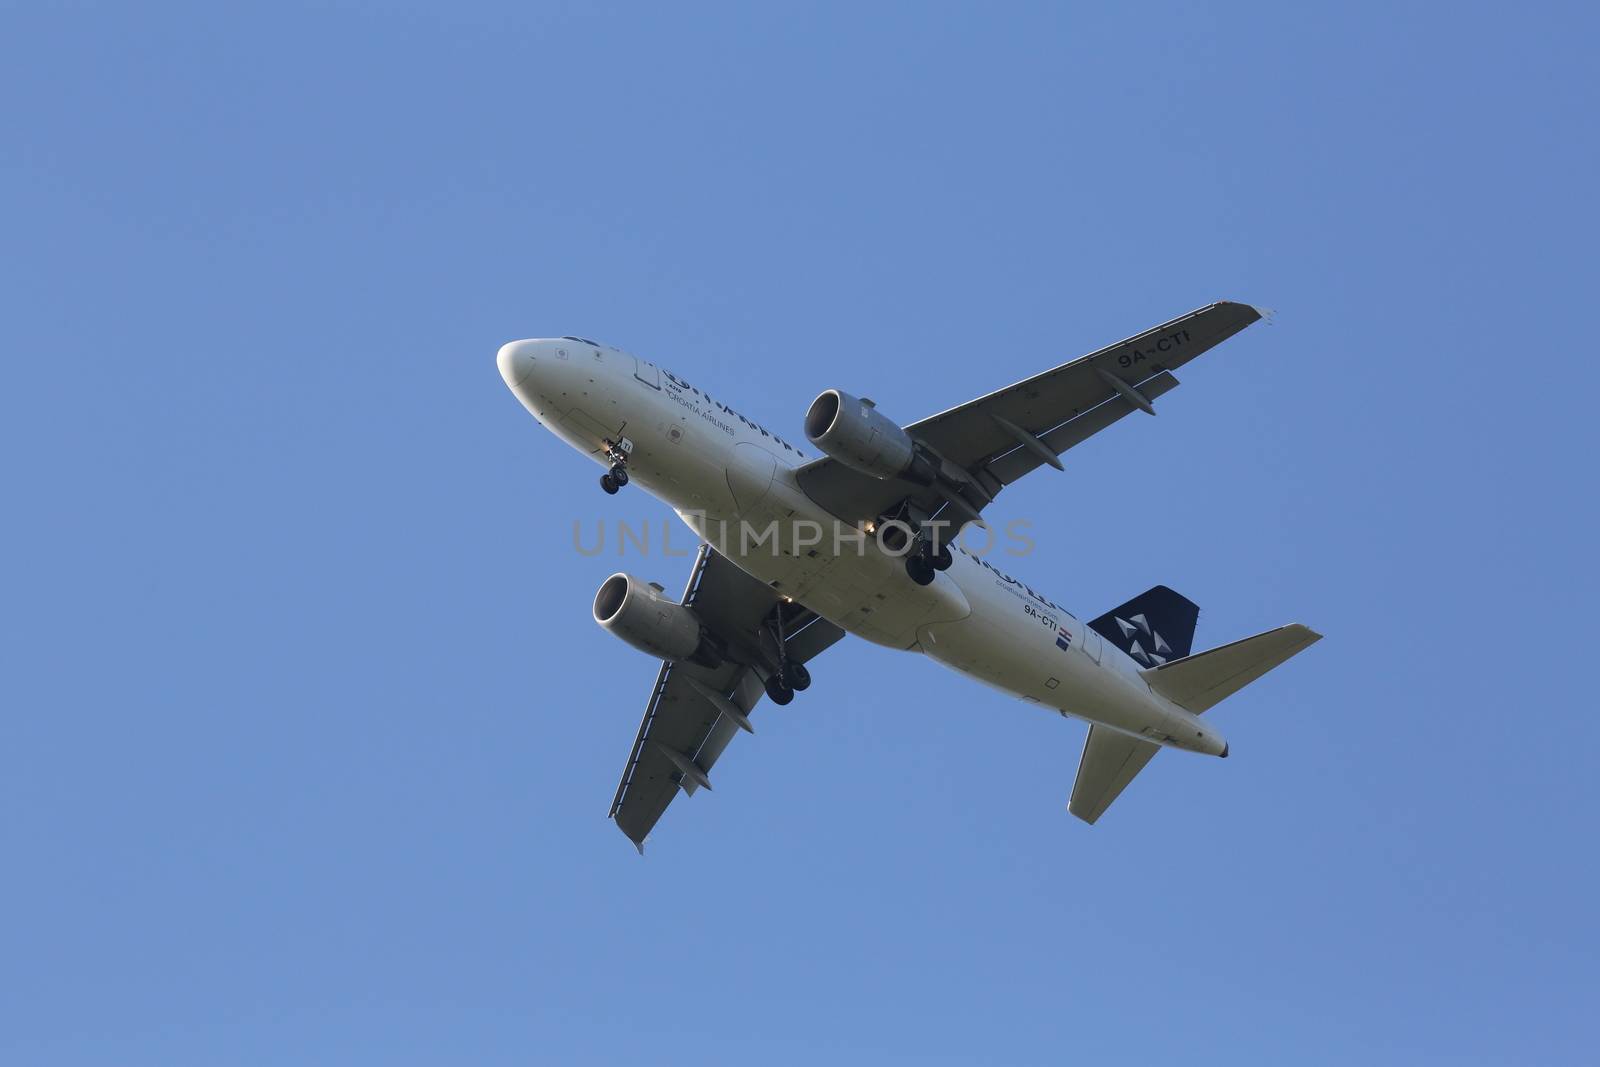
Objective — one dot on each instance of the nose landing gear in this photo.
(617, 477)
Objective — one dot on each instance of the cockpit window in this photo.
(584, 340)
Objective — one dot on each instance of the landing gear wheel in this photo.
(619, 474)
(920, 570)
(942, 559)
(777, 692)
(609, 484)
(797, 676)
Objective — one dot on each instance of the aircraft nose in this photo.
(515, 361)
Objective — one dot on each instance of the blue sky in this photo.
(309, 739)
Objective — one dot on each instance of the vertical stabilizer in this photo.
(1154, 627)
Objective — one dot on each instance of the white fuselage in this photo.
(732, 481)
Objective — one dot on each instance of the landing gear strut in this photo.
(791, 677)
(617, 452)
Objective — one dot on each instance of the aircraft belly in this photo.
(698, 475)
(871, 596)
(676, 459)
(749, 474)
(789, 544)
(1014, 644)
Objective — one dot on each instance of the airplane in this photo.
(868, 538)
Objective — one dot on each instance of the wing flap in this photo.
(1019, 461)
(678, 718)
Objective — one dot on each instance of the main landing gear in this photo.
(923, 560)
(617, 477)
(783, 685)
(926, 552)
(791, 676)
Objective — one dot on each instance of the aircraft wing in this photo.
(684, 729)
(996, 439)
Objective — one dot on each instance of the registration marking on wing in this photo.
(1171, 341)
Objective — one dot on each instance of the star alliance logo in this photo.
(1132, 631)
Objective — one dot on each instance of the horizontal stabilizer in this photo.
(1109, 762)
(1197, 682)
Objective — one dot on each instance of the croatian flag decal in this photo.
(1063, 639)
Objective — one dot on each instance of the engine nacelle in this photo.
(853, 432)
(641, 615)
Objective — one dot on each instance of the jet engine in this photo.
(855, 433)
(642, 616)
